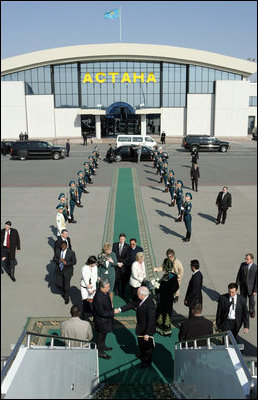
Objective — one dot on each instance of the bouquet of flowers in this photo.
(155, 283)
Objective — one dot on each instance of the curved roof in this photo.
(133, 51)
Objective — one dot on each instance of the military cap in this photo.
(171, 170)
(189, 194)
(60, 207)
(89, 157)
(179, 181)
(85, 163)
(61, 195)
(71, 182)
(96, 147)
(80, 172)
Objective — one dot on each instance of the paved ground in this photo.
(29, 193)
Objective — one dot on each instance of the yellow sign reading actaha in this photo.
(100, 77)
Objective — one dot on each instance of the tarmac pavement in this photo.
(29, 197)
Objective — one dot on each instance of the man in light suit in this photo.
(122, 251)
(194, 290)
(232, 311)
(224, 203)
(76, 328)
(10, 241)
(65, 260)
(247, 280)
(146, 324)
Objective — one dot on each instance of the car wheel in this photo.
(194, 148)
(56, 156)
(118, 158)
(223, 149)
(22, 155)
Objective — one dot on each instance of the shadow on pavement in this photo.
(249, 349)
(51, 242)
(213, 294)
(186, 166)
(170, 232)
(208, 217)
(50, 277)
(159, 201)
(54, 230)
(156, 188)
(163, 214)
(75, 295)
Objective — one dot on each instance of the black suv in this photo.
(36, 148)
(204, 142)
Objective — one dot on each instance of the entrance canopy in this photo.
(112, 109)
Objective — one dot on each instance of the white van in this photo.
(127, 140)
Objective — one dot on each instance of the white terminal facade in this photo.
(107, 89)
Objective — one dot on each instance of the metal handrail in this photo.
(29, 333)
(228, 336)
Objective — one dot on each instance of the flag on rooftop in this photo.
(114, 14)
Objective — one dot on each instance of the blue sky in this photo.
(225, 27)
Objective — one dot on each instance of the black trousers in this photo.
(244, 293)
(230, 325)
(122, 277)
(146, 348)
(222, 212)
(195, 184)
(9, 262)
(63, 279)
(101, 337)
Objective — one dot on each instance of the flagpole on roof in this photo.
(120, 15)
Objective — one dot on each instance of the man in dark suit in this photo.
(195, 155)
(146, 324)
(232, 311)
(224, 203)
(63, 238)
(10, 241)
(247, 280)
(195, 175)
(194, 290)
(65, 260)
(122, 251)
(103, 317)
(196, 326)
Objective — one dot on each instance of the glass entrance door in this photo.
(120, 119)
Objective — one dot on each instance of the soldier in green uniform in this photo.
(179, 196)
(91, 165)
(81, 186)
(156, 159)
(87, 175)
(164, 173)
(96, 148)
(95, 160)
(159, 168)
(73, 199)
(64, 203)
(171, 185)
(187, 208)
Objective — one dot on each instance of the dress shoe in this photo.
(108, 348)
(73, 221)
(13, 278)
(66, 301)
(80, 205)
(186, 240)
(105, 356)
(176, 299)
(252, 314)
(217, 222)
(223, 222)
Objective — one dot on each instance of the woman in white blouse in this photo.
(89, 282)
(138, 274)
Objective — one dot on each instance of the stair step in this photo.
(135, 391)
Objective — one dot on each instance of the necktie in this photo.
(61, 265)
(120, 248)
(232, 303)
(8, 240)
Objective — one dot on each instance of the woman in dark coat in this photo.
(168, 286)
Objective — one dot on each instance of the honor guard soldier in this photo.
(95, 158)
(96, 148)
(187, 208)
(73, 199)
(81, 186)
(155, 159)
(179, 196)
(87, 175)
(159, 167)
(91, 165)
(164, 173)
(64, 203)
(171, 186)
(60, 221)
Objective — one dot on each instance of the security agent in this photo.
(186, 209)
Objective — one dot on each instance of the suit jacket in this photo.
(145, 315)
(125, 256)
(226, 202)
(103, 312)
(242, 315)
(59, 241)
(194, 173)
(69, 258)
(247, 280)
(194, 290)
(195, 327)
(133, 253)
(14, 242)
(77, 329)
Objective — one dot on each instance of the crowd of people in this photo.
(121, 265)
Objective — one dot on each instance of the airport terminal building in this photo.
(107, 89)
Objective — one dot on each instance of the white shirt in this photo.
(232, 313)
(249, 266)
(64, 253)
(143, 300)
(5, 237)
